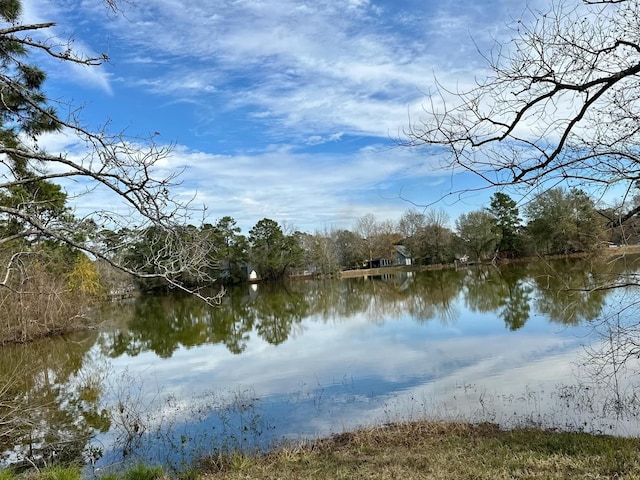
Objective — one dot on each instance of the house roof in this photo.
(402, 250)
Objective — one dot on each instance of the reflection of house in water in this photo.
(248, 292)
(400, 279)
(399, 256)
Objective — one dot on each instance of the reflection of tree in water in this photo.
(612, 358)
(380, 298)
(273, 311)
(433, 295)
(336, 299)
(278, 310)
(164, 324)
(517, 306)
(569, 290)
(385, 299)
(49, 400)
(504, 290)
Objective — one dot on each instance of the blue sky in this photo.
(287, 109)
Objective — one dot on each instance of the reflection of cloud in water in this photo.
(332, 378)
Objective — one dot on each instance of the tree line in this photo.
(555, 222)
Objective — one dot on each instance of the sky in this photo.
(292, 110)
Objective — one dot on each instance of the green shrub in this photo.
(143, 472)
(60, 473)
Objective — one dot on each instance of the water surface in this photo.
(167, 378)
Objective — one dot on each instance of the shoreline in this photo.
(405, 450)
(439, 450)
(608, 252)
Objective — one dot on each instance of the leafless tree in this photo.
(126, 169)
(560, 104)
(378, 236)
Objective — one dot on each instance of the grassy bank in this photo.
(421, 450)
(442, 451)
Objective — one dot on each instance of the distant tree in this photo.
(477, 230)
(437, 238)
(162, 258)
(563, 221)
(351, 249)
(505, 211)
(271, 251)
(324, 252)
(366, 227)
(427, 236)
(386, 238)
(411, 222)
(411, 228)
(229, 249)
(378, 237)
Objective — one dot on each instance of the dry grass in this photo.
(428, 450)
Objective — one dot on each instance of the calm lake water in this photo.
(165, 379)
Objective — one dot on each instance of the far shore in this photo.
(608, 251)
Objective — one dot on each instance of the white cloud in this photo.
(250, 88)
(279, 182)
(39, 11)
(322, 67)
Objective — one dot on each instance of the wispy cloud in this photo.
(37, 11)
(287, 108)
(314, 66)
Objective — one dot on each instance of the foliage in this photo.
(350, 249)
(230, 254)
(40, 297)
(563, 222)
(378, 237)
(505, 211)
(445, 450)
(410, 226)
(162, 258)
(427, 236)
(6, 474)
(437, 238)
(57, 472)
(84, 279)
(143, 472)
(321, 252)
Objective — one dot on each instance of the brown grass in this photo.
(427, 450)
